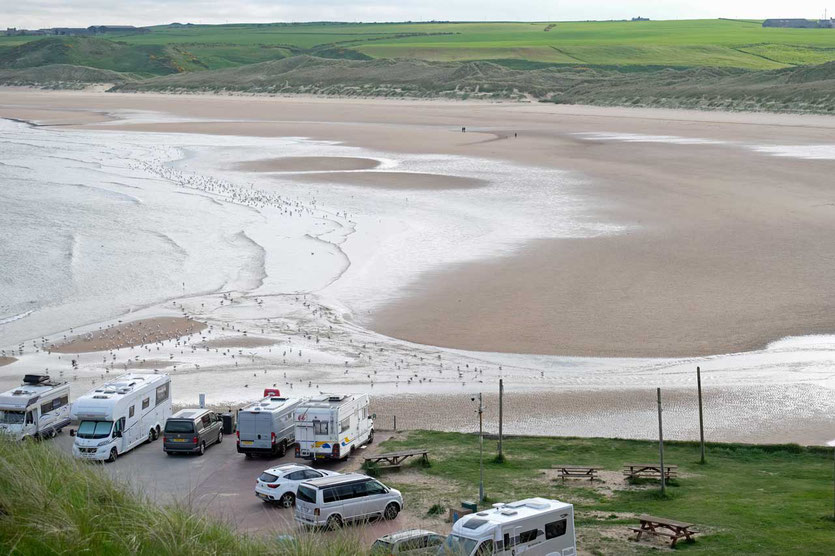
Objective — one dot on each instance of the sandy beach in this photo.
(687, 238)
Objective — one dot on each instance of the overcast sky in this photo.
(82, 13)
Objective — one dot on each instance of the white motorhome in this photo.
(332, 427)
(120, 415)
(39, 408)
(534, 527)
(266, 427)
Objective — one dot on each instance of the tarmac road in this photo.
(222, 483)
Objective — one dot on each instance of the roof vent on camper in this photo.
(35, 379)
(335, 398)
(508, 512)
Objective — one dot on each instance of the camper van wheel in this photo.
(282, 449)
(391, 511)
(155, 432)
(202, 448)
(287, 500)
(334, 522)
(370, 437)
(113, 455)
(150, 436)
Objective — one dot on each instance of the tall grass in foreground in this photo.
(53, 504)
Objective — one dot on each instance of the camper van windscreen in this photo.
(94, 429)
(455, 544)
(8, 417)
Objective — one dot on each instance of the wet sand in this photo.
(6, 361)
(308, 164)
(237, 342)
(130, 334)
(726, 248)
(390, 180)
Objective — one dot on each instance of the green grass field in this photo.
(725, 43)
(746, 499)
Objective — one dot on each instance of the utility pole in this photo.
(481, 455)
(501, 395)
(661, 445)
(701, 419)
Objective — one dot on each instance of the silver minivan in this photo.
(333, 501)
(189, 431)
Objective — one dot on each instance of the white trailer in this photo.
(332, 427)
(266, 427)
(39, 408)
(120, 415)
(533, 527)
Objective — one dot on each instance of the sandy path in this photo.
(726, 248)
(129, 334)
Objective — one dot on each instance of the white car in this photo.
(279, 484)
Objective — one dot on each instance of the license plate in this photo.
(264, 496)
(246, 442)
(178, 439)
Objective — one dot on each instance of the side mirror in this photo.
(373, 416)
(72, 432)
(117, 434)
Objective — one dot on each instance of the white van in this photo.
(332, 427)
(120, 415)
(39, 408)
(266, 427)
(533, 527)
(336, 500)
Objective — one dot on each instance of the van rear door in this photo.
(263, 429)
(304, 438)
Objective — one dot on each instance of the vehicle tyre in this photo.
(113, 455)
(248, 455)
(169, 453)
(220, 437)
(150, 436)
(202, 448)
(334, 523)
(154, 433)
(391, 511)
(370, 437)
(287, 500)
(282, 449)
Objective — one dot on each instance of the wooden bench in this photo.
(649, 471)
(661, 526)
(580, 471)
(393, 460)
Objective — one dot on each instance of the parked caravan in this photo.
(266, 427)
(39, 408)
(120, 415)
(534, 527)
(332, 427)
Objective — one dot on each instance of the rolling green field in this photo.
(723, 43)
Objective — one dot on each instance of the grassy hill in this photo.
(722, 43)
(61, 76)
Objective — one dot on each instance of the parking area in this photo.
(221, 483)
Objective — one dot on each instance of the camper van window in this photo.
(374, 487)
(30, 418)
(145, 403)
(329, 494)
(162, 393)
(119, 426)
(320, 427)
(458, 545)
(306, 494)
(46, 407)
(11, 417)
(485, 549)
(345, 425)
(131, 411)
(528, 536)
(94, 429)
(555, 529)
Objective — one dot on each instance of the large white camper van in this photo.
(331, 427)
(39, 408)
(533, 527)
(120, 415)
(266, 427)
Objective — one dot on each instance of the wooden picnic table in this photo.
(393, 460)
(649, 470)
(589, 472)
(676, 530)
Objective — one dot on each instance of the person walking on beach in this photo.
(463, 129)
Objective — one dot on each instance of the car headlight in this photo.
(102, 443)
